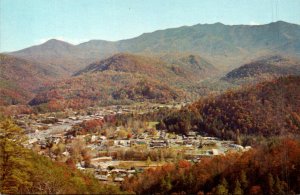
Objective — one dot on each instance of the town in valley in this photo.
(114, 152)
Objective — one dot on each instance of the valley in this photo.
(201, 109)
(115, 152)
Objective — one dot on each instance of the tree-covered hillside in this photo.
(266, 109)
(272, 168)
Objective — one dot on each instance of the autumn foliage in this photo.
(266, 109)
(272, 168)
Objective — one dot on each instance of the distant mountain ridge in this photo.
(170, 64)
(210, 40)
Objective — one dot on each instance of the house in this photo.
(179, 142)
(236, 146)
(125, 143)
(94, 138)
(66, 153)
(56, 138)
(102, 177)
(102, 159)
(211, 138)
(247, 148)
(131, 171)
(102, 171)
(73, 118)
(209, 143)
(78, 166)
(215, 152)
(119, 171)
(137, 142)
(118, 179)
(159, 143)
(192, 135)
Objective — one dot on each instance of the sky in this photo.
(24, 23)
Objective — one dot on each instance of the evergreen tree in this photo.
(222, 188)
(14, 167)
(162, 156)
(270, 183)
(237, 189)
(278, 187)
(166, 184)
(238, 138)
(148, 162)
(243, 179)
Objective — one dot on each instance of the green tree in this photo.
(278, 187)
(166, 184)
(222, 188)
(237, 189)
(238, 137)
(162, 156)
(14, 170)
(270, 184)
(148, 162)
(244, 180)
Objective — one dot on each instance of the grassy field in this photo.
(143, 164)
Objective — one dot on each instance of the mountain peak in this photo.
(123, 62)
(219, 23)
(56, 41)
(280, 23)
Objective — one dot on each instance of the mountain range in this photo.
(165, 65)
(128, 77)
(221, 44)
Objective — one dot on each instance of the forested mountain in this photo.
(19, 78)
(194, 66)
(265, 68)
(266, 109)
(217, 38)
(64, 56)
(121, 77)
(187, 65)
(127, 77)
(226, 44)
(176, 60)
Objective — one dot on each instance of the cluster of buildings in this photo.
(47, 129)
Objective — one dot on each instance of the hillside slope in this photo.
(258, 171)
(123, 78)
(19, 78)
(265, 68)
(266, 109)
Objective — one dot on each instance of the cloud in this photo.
(254, 23)
(61, 38)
